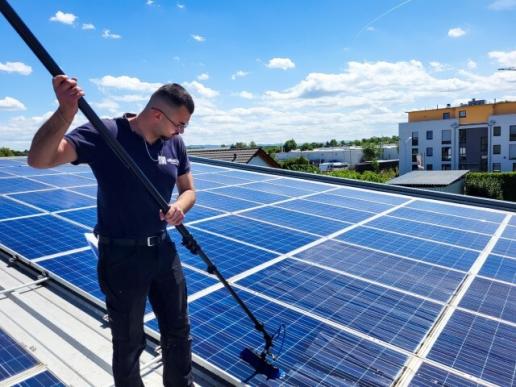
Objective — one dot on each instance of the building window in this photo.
(430, 167)
(497, 167)
(429, 134)
(462, 113)
(446, 153)
(497, 148)
(497, 131)
(414, 167)
(429, 152)
(414, 155)
(512, 151)
(415, 138)
(514, 167)
(512, 130)
(446, 136)
(446, 167)
(462, 153)
(446, 116)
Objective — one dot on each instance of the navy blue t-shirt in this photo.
(124, 208)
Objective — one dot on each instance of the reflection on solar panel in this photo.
(361, 279)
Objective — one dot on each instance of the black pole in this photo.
(189, 241)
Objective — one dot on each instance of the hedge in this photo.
(500, 186)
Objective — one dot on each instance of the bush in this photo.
(377, 177)
(299, 164)
(501, 186)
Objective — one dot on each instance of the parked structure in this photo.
(477, 136)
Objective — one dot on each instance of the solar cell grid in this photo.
(417, 277)
(248, 175)
(509, 233)
(491, 298)
(85, 216)
(479, 346)
(224, 203)
(512, 221)
(303, 184)
(199, 212)
(24, 170)
(90, 190)
(249, 194)
(13, 358)
(372, 196)
(427, 251)
(20, 184)
(43, 379)
(505, 247)
(326, 210)
(464, 211)
(4, 162)
(11, 209)
(500, 268)
(353, 203)
(429, 375)
(393, 317)
(4, 173)
(201, 184)
(436, 233)
(223, 179)
(55, 200)
(278, 189)
(314, 353)
(260, 234)
(64, 180)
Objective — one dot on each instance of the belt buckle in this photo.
(150, 240)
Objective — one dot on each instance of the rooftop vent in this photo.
(474, 102)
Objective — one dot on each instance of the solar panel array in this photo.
(19, 368)
(372, 287)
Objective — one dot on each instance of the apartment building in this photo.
(477, 136)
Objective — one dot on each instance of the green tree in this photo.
(370, 151)
(252, 144)
(289, 145)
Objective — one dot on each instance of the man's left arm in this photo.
(184, 202)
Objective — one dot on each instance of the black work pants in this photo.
(127, 275)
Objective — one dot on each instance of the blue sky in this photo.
(262, 70)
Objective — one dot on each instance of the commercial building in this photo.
(477, 136)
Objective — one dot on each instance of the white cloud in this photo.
(502, 5)
(149, 2)
(246, 95)
(125, 82)
(180, 6)
(88, 26)
(201, 90)
(65, 18)
(107, 34)
(456, 32)
(131, 98)
(198, 38)
(280, 63)
(203, 77)
(370, 29)
(16, 67)
(239, 74)
(107, 104)
(11, 104)
(472, 65)
(504, 58)
(439, 67)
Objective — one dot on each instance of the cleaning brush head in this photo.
(261, 364)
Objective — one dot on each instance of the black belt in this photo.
(147, 241)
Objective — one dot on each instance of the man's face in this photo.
(172, 121)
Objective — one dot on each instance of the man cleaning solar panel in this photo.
(136, 256)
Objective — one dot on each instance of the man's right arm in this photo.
(49, 148)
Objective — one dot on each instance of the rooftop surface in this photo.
(429, 178)
(373, 287)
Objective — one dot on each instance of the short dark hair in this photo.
(176, 95)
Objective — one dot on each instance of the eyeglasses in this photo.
(180, 127)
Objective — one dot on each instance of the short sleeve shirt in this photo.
(124, 208)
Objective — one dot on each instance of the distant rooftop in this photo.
(428, 178)
(241, 156)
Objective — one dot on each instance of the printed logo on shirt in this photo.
(173, 161)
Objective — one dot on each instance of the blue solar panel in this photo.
(278, 189)
(64, 180)
(326, 210)
(5, 173)
(248, 175)
(90, 190)
(221, 202)
(85, 216)
(249, 194)
(313, 354)
(24, 170)
(397, 318)
(13, 358)
(417, 277)
(297, 220)
(342, 201)
(406, 246)
(457, 222)
(428, 375)
(4, 162)
(512, 221)
(372, 196)
(204, 168)
(260, 234)
(195, 281)
(428, 231)
(199, 212)
(40, 236)
(222, 179)
(55, 200)
(11, 209)
(466, 212)
(44, 379)
(201, 184)
(230, 257)
(19, 184)
(509, 232)
(303, 184)
(505, 247)
(491, 298)
(478, 346)
(500, 268)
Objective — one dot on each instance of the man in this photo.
(137, 258)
